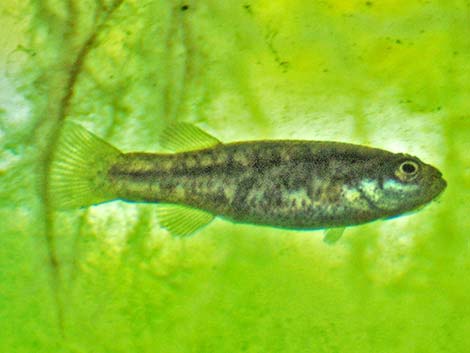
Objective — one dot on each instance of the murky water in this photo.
(393, 75)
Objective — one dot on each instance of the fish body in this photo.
(282, 183)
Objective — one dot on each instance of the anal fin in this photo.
(182, 220)
(332, 235)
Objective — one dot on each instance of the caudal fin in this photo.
(78, 174)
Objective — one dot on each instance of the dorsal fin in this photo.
(180, 137)
(332, 235)
(182, 220)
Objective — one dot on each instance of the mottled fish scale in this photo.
(287, 183)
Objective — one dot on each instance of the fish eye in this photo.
(409, 167)
(407, 170)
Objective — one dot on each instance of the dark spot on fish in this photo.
(275, 157)
(219, 196)
(256, 161)
(241, 193)
(381, 181)
(184, 7)
(229, 161)
(167, 187)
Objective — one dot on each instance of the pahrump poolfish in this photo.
(282, 183)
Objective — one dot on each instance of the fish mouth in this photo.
(439, 185)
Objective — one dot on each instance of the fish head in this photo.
(406, 184)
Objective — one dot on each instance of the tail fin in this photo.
(78, 175)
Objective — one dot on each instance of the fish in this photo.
(291, 184)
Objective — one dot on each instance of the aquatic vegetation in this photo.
(390, 74)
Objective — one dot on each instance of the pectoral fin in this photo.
(182, 220)
(332, 235)
(180, 137)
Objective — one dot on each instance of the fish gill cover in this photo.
(392, 74)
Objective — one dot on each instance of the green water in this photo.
(391, 74)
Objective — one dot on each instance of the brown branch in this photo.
(64, 107)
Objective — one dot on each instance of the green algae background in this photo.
(393, 74)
